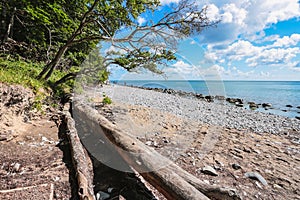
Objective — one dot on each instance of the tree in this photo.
(63, 32)
(43, 26)
(103, 19)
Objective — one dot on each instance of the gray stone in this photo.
(236, 166)
(17, 167)
(209, 170)
(266, 105)
(102, 195)
(256, 176)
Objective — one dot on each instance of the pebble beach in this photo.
(256, 153)
(212, 113)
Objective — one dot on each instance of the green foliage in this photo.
(24, 73)
(21, 72)
(92, 71)
(62, 33)
(107, 100)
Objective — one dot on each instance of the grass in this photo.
(22, 73)
(25, 72)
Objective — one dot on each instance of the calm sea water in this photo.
(278, 93)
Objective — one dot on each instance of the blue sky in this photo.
(255, 40)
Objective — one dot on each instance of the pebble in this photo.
(209, 170)
(236, 166)
(109, 190)
(16, 167)
(247, 150)
(277, 186)
(102, 195)
(256, 176)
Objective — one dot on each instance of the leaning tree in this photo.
(136, 45)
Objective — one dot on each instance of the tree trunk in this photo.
(67, 77)
(10, 26)
(145, 160)
(3, 20)
(51, 66)
(81, 161)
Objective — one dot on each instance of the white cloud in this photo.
(141, 20)
(227, 17)
(278, 56)
(114, 49)
(181, 64)
(245, 74)
(264, 74)
(180, 67)
(240, 50)
(286, 41)
(247, 18)
(214, 71)
(213, 12)
(238, 15)
(166, 2)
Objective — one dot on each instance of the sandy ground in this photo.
(32, 166)
(32, 158)
(229, 152)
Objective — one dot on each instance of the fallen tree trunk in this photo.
(171, 180)
(81, 160)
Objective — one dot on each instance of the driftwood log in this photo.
(171, 180)
(81, 161)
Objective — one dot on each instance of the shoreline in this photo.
(264, 107)
(289, 109)
(211, 113)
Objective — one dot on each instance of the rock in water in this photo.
(264, 105)
(209, 170)
(256, 176)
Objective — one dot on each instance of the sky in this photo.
(255, 40)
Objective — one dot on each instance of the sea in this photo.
(278, 93)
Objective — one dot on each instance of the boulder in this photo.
(209, 98)
(297, 117)
(238, 104)
(264, 105)
(219, 97)
(199, 96)
(231, 100)
(253, 105)
(240, 101)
